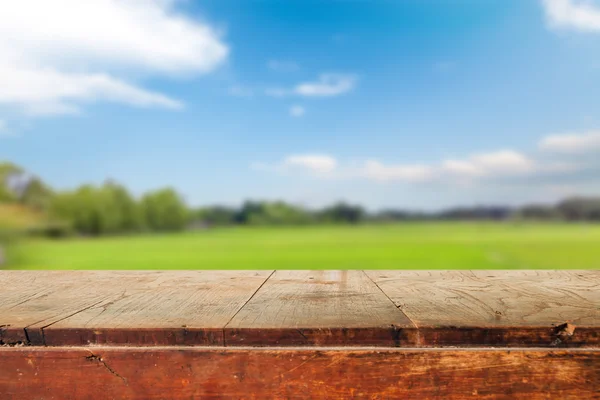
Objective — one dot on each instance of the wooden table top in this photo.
(409, 309)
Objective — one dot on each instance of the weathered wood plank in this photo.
(128, 307)
(17, 287)
(183, 307)
(456, 308)
(318, 308)
(500, 308)
(184, 373)
(32, 300)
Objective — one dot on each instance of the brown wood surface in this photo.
(317, 308)
(262, 308)
(407, 317)
(140, 308)
(31, 301)
(185, 373)
(501, 308)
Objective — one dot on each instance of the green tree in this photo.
(538, 212)
(272, 213)
(342, 213)
(580, 208)
(79, 208)
(216, 215)
(164, 210)
(90, 210)
(130, 216)
(36, 194)
(281, 213)
(9, 173)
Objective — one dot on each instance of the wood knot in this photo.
(93, 357)
(564, 330)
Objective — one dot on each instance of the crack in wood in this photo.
(302, 334)
(99, 359)
(399, 308)
(244, 305)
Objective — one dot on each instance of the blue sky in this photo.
(419, 104)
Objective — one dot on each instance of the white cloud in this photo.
(503, 162)
(320, 165)
(283, 66)
(316, 163)
(461, 168)
(492, 165)
(297, 111)
(499, 164)
(56, 54)
(327, 85)
(572, 143)
(580, 15)
(47, 91)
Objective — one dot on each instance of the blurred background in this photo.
(299, 134)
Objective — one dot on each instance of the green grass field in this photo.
(401, 246)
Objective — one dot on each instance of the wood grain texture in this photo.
(185, 373)
(355, 308)
(32, 300)
(175, 309)
(500, 308)
(131, 307)
(318, 308)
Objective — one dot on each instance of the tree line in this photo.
(110, 209)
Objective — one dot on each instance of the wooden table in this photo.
(299, 334)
